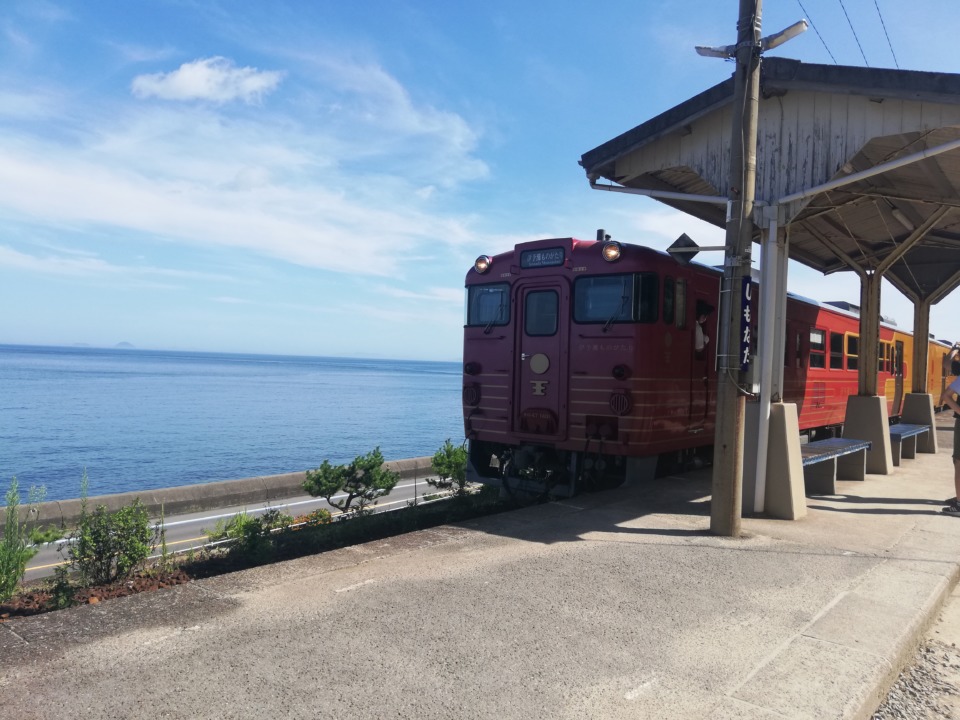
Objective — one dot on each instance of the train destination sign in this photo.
(541, 258)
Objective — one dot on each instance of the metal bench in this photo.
(903, 440)
(826, 460)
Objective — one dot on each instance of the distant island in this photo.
(125, 346)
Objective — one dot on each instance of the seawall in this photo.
(197, 498)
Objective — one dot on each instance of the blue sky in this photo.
(315, 178)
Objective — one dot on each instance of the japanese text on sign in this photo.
(745, 316)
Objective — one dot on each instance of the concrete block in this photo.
(821, 478)
(918, 410)
(866, 419)
(784, 495)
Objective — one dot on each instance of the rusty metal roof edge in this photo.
(778, 75)
(663, 124)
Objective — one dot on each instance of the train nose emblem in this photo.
(539, 363)
(539, 387)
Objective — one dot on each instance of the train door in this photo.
(540, 359)
(898, 371)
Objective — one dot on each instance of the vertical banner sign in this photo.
(746, 293)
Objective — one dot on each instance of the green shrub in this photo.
(61, 591)
(364, 481)
(273, 519)
(14, 551)
(48, 534)
(108, 546)
(450, 464)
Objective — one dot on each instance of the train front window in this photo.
(540, 312)
(488, 305)
(603, 299)
(612, 299)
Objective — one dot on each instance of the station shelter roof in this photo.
(817, 124)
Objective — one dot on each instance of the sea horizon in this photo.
(139, 419)
(130, 347)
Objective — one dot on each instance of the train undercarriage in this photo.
(545, 471)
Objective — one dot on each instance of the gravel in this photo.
(928, 689)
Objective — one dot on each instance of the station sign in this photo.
(746, 341)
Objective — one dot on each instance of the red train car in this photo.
(586, 360)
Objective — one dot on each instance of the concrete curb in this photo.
(855, 649)
(203, 496)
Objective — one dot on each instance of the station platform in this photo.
(618, 604)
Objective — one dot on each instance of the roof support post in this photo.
(869, 333)
(773, 296)
(921, 347)
(725, 506)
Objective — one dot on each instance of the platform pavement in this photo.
(613, 605)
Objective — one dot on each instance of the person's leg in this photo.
(956, 476)
(953, 504)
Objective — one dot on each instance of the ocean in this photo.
(143, 419)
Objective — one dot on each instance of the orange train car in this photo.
(584, 357)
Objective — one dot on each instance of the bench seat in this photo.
(903, 440)
(825, 460)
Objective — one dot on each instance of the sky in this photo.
(316, 177)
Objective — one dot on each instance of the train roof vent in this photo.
(843, 305)
(855, 309)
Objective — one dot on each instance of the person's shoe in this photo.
(952, 508)
(950, 500)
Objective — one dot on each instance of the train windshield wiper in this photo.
(489, 326)
(624, 299)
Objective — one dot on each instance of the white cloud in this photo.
(139, 53)
(441, 294)
(80, 265)
(215, 79)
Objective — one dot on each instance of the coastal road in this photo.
(187, 531)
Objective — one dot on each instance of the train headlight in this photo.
(611, 251)
(482, 264)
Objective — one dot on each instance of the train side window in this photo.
(668, 297)
(648, 292)
(853, 352)
(881, 355)
(540, 312)
(818, 348)
(488, 304)
(681, 304)
(799, 350)
(836, 351)
(603, 299)
(889, 358)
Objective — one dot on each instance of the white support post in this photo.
(769, 263)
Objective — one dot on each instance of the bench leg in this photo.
(895, 450)
(821, 478)
(852, 466)
(909, 447)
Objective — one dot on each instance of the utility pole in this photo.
(728, 438)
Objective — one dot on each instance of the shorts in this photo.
(956, 439)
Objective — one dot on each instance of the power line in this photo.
(887, 34)
(807, 15)
(855, 37)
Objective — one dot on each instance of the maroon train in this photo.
(581, 361)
